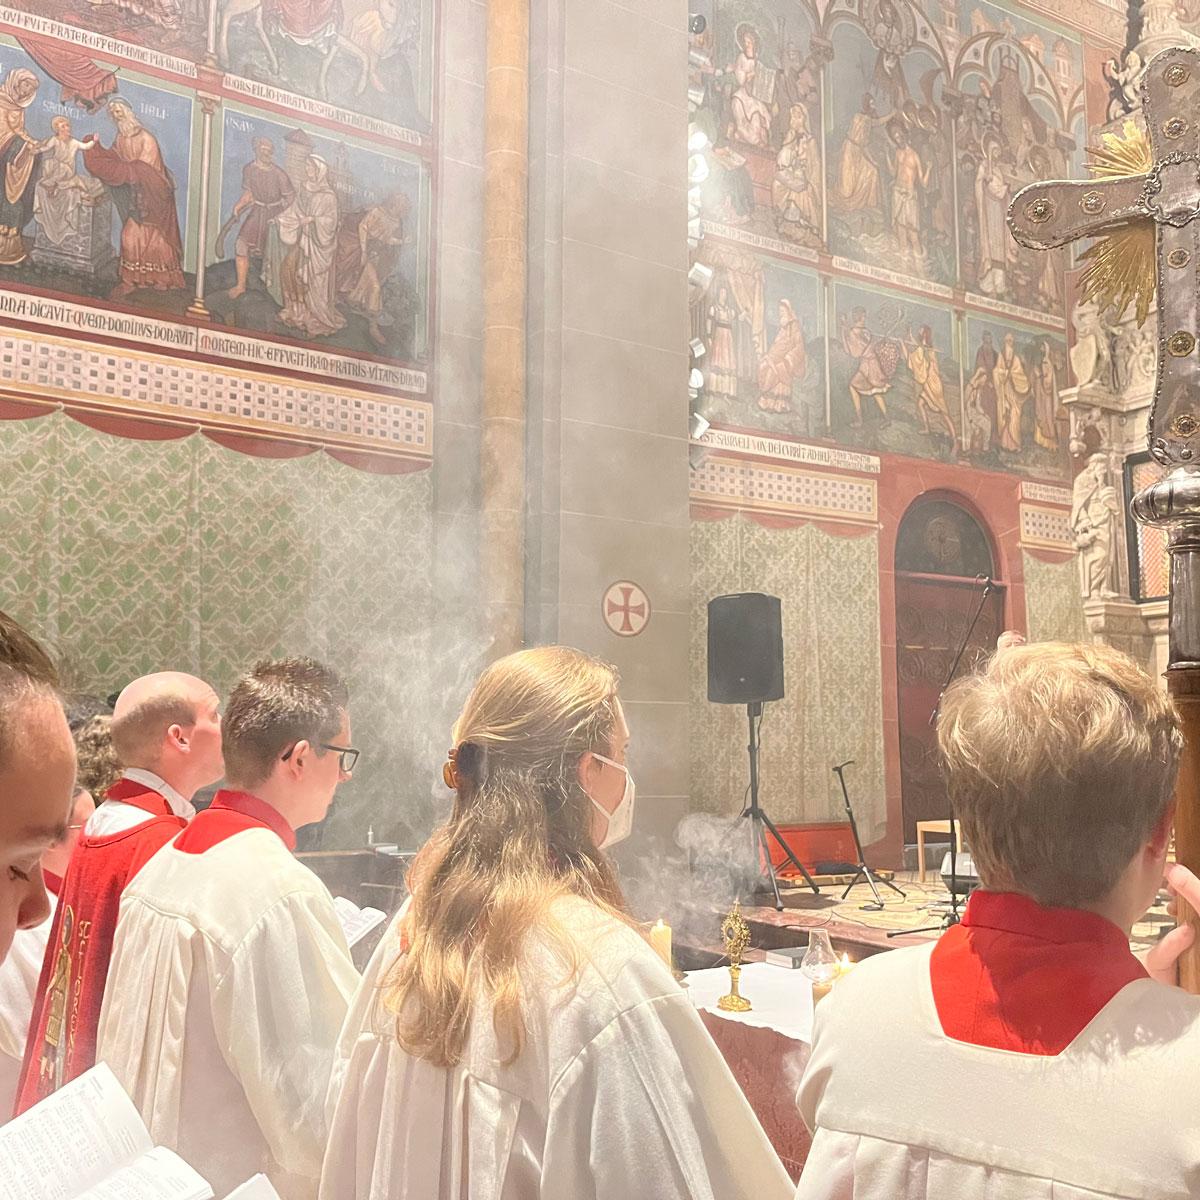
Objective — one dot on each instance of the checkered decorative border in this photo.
(742, 484)
(1047, 528)
(129, 381)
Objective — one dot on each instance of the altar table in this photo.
(766, 1048)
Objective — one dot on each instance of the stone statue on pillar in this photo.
(1095, 515)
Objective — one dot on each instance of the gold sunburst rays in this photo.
(1124, 153)
(1121, 267)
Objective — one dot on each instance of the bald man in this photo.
(167, 735)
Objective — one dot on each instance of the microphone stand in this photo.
(863, 871)
(953, 917)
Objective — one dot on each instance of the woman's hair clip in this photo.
(465, 761)
(450, 769)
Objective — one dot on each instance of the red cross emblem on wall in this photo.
(626, 609)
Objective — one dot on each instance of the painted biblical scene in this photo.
(765, 363)
(758, 64)
(319, 238)
(890, 195)
(96, 182)
(893, 374)
(1022, 118)
(1014, 419)
(369, 56)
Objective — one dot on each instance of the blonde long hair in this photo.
(518, 839)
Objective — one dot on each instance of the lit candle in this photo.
(845, 966)
(660, 939)
(821, 990)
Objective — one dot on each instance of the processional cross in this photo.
(1144, 205)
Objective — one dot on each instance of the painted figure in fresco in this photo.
(314, 23)
(144, 193)
(1012, 391)
(858, 189)
(909, 176)
(381, 32)
(784, 364)
(875, 360)
(887, 32)
(794, 191)
(308, 228)
(18, 162)
(927, 374)
(979, 432)
(796, 83)
(1094, 511)
(1045, 399)
(369, 254)
(266, 192)
(991, 210)
(985, 366)
(751, 116)
(722, 377)
(61, 192)
(732, 187)
(167, 14)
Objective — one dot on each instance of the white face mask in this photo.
(620, 820)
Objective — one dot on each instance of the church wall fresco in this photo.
(234, 194)
(881, 140)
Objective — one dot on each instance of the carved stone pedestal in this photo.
(86, 251)
(1122, 623)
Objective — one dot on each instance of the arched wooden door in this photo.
(941, 553)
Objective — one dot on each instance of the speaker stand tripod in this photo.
(761, 824)
(863, 871)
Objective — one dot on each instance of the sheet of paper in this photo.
(356, 922)
(258, 1188)
(72, 1141)
(159, 1174)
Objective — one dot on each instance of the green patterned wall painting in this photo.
(131, 556)
(1053, 608)
(833, 708)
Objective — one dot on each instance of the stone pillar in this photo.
(607, 542)
(208, 107)
(1115, 363)
(505, 183)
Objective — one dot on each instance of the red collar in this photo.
(138, 795)
(53, 882)
(257, 810)
(1010, 912)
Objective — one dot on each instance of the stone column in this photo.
(208, 106)
(1114, 361)
(607, 542)
(505, 199)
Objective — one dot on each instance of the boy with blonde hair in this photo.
(1031, 1042)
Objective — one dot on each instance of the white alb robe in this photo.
(229, 982)
(619, 1093)
(900, 1111)
(19, 974)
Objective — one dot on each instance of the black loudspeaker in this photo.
(745, 648)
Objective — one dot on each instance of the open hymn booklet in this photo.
(88, 1142)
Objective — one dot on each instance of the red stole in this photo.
(1017, 976)
(232, 812)
(66, 1009)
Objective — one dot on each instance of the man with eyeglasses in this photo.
(230, 975)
